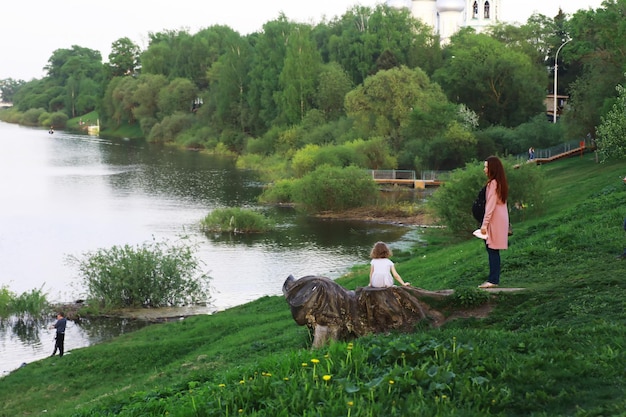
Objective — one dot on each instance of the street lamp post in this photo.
(556, 69)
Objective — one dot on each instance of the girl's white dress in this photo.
(381, 275)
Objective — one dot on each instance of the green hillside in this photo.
(555, 349)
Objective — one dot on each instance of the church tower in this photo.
(479, 14)
(446, 17)
(450, 17)
(426, 11)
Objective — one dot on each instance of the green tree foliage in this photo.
(383, 104)
(168, 129)
(598, 45)
(270, 51)
(335, 189)
(366, 40)
(501, 85)
(79, 71)
(299, 76)
(153, 274)
(146, 97)
(8, 88)
(611, 134)
(333, 86)
(124, 59)
(118, 103)
(177, 96)
(226, 106)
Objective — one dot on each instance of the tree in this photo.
(332, 88)
(299, 76)
(124, 58)
(225, 105)
(366, 40)
(270, 49)
(501, 85)
(118, 103)
(600, 49)
(72, 69)
(177, 96)
(383, 104)
(8, 88)
(611, 133)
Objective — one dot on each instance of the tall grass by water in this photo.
(554, 349)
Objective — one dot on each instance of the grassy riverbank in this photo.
(556, 349)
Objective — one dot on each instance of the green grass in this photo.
(555, 349)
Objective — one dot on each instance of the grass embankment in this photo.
(556, 349)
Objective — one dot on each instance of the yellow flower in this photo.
(241, 411)
(286, 378)
(350, 346)
(222, 385)
(326, 377)
(304, 364)
(350, 403)
(315, 361)
(391, 382)
(242, 382)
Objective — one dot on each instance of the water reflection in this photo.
(25, 328)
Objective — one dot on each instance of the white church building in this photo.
(446, 17)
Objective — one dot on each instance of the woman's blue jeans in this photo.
(494, 265)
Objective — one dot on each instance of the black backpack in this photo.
(478, 208)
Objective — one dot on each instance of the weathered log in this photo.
(332, 312)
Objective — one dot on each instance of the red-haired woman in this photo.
(496, 220)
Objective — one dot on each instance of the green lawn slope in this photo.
(555, 349)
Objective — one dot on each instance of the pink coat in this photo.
(496, 219)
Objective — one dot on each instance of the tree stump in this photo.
(332, 312)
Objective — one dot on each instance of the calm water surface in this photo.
(68, 194)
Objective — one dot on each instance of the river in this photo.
(68, 194)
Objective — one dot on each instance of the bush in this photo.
(236, 220)
(155, 274)
(31, 117)
(278, 193)
(452, 202)
(335, 189)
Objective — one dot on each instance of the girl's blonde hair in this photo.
(380, 250)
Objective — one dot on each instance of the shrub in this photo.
(335, 189)
(31, 117)
(33, 302)
(154, 274)
(236, 220)
(278, 193)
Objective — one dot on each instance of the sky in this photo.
(30, 31)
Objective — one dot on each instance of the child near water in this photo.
(382, 269)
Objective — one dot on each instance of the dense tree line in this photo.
(373, 80)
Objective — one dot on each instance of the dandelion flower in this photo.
(391, 382)
(326, 377)
(304, 364)
(315, 361)
(221, 385)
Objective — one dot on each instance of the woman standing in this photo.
(496, 220)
